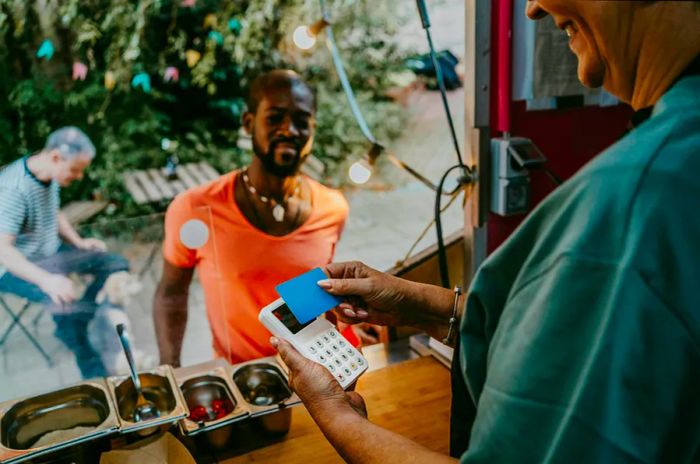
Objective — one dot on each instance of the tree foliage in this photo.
(200, 113)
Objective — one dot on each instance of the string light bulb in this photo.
(360, 172)
(304, 37)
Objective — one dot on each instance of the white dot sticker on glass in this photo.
(194, 234)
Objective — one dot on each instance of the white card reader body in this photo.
(318, 340)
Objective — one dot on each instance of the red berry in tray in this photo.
(199, 414)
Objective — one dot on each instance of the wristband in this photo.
(453, 319)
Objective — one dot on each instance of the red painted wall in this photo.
(568, 138)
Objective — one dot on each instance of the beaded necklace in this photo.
(278, 208)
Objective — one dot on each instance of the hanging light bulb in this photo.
(303, 38)
(360, 172)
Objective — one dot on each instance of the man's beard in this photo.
(268, 160)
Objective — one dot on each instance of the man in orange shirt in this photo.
(251, 229)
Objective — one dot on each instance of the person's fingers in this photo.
(291, 357)
(352, 316)
(56, 300)
(352, 312)
(359, 315)
(346, 287)
(335, 270)
(350, 269)
(349, 312)
(68, 296)
(72, 291)
(365, 337)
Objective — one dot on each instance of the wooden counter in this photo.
(411, 398)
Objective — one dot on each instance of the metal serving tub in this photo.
(202, 389)
(159, 387)
(201, 386)
(44, 424)
(264, 385)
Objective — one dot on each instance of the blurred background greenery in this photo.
(216, 46)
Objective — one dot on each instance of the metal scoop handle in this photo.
(126, 345)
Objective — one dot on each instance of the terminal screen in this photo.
(287, 318)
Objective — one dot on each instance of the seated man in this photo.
(39, 248)
(267, 223)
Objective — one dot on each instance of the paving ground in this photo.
(381, 229)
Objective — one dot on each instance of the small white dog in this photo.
(102, 329)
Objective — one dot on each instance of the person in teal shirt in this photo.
(580, 337)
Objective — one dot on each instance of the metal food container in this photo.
(160, 388)
(264, 385)
(202, 389)
(45, 424)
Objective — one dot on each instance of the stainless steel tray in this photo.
(258, 388)
(270, 374)
(203, 383)
(160, 387)
(23, 422)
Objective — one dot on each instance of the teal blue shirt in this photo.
(581, 337)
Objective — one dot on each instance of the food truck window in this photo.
(387, 223)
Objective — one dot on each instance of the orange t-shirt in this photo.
(240, 265)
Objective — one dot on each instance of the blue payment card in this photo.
(305, 298)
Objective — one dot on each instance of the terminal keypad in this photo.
(337, 355)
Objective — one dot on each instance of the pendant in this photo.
(278, 213)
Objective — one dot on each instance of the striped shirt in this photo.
(29, 211)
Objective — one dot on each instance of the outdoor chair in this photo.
(17, 320)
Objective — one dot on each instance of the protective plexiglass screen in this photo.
(46, 345)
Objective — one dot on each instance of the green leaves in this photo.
(202, 110)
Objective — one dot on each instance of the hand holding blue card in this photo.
(305, 298)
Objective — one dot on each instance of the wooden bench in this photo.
(153, 185)
(80, 211)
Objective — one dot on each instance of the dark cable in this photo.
(425, 20)
(554, 178)
(442, 252)
(467, 173)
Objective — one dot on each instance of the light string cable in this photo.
(467, 174)
(355, 108)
